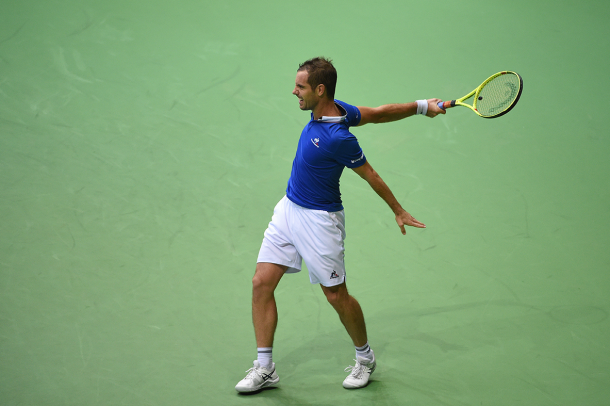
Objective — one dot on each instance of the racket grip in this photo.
(444, 105)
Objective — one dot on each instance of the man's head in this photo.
(321, 72)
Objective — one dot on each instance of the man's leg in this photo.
(264, 318)
(264, 309)
(349, 311)
(351, 316)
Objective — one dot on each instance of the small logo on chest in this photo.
(315, 142)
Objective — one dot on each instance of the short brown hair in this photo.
(321, 71)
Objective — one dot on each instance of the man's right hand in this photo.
(433, 109)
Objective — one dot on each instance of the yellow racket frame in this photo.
(475, 93)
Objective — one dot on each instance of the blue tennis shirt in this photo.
(325, 148)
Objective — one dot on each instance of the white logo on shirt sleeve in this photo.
(356, 160)
(315, 142)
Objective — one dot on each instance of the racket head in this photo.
(498, 94)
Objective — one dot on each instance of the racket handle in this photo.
(446, 104)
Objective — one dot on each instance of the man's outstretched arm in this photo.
(403, 218)
(395, 112)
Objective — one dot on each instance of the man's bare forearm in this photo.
(388, 112)
(394, 112)
(369, 174)
(403, 218)
(397, 111)
(383, 190)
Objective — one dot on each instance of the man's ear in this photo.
(320, 89)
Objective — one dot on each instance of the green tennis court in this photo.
(143, 146)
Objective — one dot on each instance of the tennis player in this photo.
(309, 223)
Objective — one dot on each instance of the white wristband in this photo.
(422, 106)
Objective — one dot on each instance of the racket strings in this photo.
(498, 95)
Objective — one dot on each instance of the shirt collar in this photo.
(334, 119)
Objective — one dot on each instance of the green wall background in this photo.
(143, 146)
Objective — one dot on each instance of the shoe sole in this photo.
(367, 382)
(266, 384)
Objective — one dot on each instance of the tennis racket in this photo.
(494, 97)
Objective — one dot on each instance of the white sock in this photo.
(265, 355)
(364, 352)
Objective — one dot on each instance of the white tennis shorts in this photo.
(316, 236)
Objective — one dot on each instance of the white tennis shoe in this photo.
(360, 373)
(257, 378)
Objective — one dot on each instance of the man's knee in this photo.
(258, 282)
(336, 295)
(266, 277)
